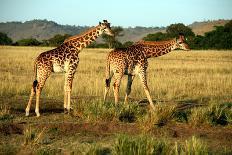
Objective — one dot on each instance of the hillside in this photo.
(199, 28)
(39, 29)
(43, 29)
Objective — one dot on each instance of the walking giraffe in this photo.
(63, 59)
(132, 61)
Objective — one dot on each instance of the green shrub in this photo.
(98, 150)
(140, 145)
(214, 114)
(193, 146)
(5, 113)
(159, 117)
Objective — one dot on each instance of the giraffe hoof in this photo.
(65, 111)
(37, 115)
(152, 108)
(27, 114)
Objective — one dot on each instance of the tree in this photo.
(156, 37)
(112, 40)
(174, 30)
(4, 39)
(28, 42)
(127, 44)
(220, 38)
(57, 39)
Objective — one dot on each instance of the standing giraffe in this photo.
(133, 61)
(63, 59)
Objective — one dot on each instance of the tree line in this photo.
(219, 38)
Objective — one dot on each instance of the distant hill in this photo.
(39, 29)
(199, 28)
(43, 29)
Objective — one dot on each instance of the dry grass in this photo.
(178, 81)
(175, 76)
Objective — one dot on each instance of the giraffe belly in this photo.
(132, 70)
(58, 68)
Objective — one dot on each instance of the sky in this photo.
(125, 13)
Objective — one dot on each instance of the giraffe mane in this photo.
(155, 42)
(80, 35)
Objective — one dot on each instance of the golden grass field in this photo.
(195, 81)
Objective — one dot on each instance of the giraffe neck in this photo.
(81, 41)
(155, 49)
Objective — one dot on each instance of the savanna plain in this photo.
(191, 91)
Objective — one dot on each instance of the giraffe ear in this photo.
(181, 37)
(100, 23)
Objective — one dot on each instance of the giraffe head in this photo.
(105, 28)
(181, 43)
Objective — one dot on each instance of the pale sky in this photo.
(119, 12)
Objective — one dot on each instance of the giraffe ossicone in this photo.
(65, 59)
(132, 61)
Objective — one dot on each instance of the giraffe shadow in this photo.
(47, 106)
(43, 110)
(181, 104)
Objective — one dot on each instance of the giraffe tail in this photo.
(35, 83)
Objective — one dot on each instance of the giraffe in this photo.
(65, 59)
(132, 61)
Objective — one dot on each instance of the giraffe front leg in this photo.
(67, 92)
(65, 98)
(143, 79)
(128, 89)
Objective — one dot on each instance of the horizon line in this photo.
(205, 20)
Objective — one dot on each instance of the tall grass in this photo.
(162, 114)
(214, 114)
(193, 146)
(175, 76)
(97, 111)
(144, 145)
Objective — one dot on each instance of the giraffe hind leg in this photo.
(33, 92)
(146, 89)
(128, 89)
(42, 77)
(116, 86)
(107, 87)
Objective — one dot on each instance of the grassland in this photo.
(192, 92)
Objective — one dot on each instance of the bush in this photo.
(160, 117)
(28, 42)
(57, 39)
(143, 145)
(192, 146)
(214, 114)
(4, 39)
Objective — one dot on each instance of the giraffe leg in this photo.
(67, 92)
(38, 92)
(42, 77)
(143, 79)
(128, 89)
(30, 101)
(118, 77)
(107, 87)
(65, 97)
